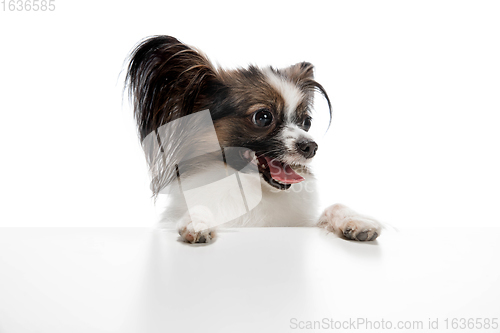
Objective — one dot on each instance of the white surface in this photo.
(250, 280)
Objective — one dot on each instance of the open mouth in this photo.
(277, 174)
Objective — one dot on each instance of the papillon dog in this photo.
(231, 146)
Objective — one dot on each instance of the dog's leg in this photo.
(347, 223)
(197, 227)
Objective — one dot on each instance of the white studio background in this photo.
(414, 85)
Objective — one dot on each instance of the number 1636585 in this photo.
(28, 5)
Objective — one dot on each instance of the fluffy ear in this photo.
(299, 72)
(166, 80)
(302, 74)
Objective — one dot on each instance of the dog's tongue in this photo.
(283, 172)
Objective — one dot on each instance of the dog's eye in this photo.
(262, 118)
(306, 124)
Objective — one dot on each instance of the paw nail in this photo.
(347, 233)
(375, 235)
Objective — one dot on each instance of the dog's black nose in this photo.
(307, 148)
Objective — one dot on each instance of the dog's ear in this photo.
(167, 80)
(299, 72)
(302, 74)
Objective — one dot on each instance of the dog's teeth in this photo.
(263, 166)
(277, 181)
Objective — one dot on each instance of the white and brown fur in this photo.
(168, 80)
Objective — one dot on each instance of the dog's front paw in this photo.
(196, 227)
(360, 230)
(199, 233)
(348, 224)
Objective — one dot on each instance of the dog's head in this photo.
(265, 110)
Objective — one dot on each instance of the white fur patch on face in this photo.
(290, 135)
(289, 91)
